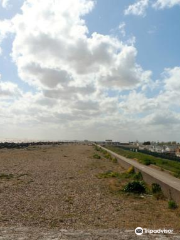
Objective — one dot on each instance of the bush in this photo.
(96, 156)
(136, 187)
(156, 188)
(172, 204)
(138, 176)
(157, 191)
(131, 170)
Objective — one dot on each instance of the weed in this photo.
(147, 162)
(136, 187)
(109, 174)
(114, 160)
(146, 159)
(156, 188)
(96, 156)
(138, 176)
(157, 191)
(108, 156)
(172, 204)
(97, 148)
(131, 170)
(6, 176)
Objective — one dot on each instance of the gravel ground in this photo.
(40, 234)
(52, 188)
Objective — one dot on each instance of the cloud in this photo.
(122, 28)
(87, 83)
(8, 90)
(138, 8)
(4, 3)
(161, 4)
(57, 52)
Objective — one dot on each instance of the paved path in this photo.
(159, 175)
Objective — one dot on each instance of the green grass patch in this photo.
(146, 159)
(172, 204)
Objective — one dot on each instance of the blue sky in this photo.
(122, 74)
(157, 34)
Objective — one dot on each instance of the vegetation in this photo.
(145, 159)
(96, 156)
(172, 204)
(106, 154)
(157, 191)
(136, 187)
(131, 170)
(6, 176)
(114, 160)
(138, 176)
(109, 174)
(156, 188)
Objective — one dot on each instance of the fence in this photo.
(155, 154)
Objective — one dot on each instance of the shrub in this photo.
(157, 191)
(156, 188)
(96, 156)
(172, 204)
(136, 187)
(138, 176)
(131, 170)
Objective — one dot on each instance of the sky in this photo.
(90, 69)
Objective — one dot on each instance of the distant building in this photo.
(178, 152)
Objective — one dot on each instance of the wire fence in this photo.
(155, 154)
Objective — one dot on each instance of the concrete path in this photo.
(160, 176)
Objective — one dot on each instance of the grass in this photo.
(6, 176)
(105, 154)
(109, 174)
(145, 159)
(172, 204)
(96, 156)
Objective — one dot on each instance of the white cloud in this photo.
(160, 4)
(4, 3)
(55, 52)
(73, 73)
(138, 8)
(122, 28)
(8, 90)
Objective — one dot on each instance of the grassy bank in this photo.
(145, 159)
